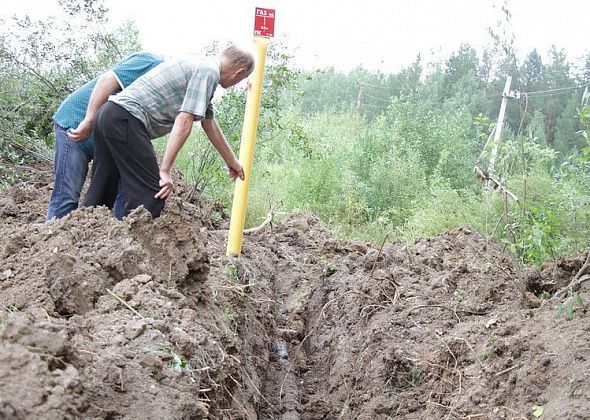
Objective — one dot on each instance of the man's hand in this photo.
(166, 184)
(236, 170)
(82, 132)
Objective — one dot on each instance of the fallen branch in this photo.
(454, 311)
(262, 225)
(508, 369)
(268, 220)
(487, 177)
(580, 278)
(125, 304)
(378, 255)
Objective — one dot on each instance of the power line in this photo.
(554, 90)
(372, 85)
(371, 105)
(381, 88)
(378, 99)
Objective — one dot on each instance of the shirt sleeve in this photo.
(134, 66)
(199, 92)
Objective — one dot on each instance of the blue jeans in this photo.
(71, 168)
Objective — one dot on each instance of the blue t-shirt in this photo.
(72, 110)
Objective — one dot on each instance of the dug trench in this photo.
(148, 319)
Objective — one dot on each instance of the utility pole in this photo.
(499, 126)
(359, 97)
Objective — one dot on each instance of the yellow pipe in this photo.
(240, 203)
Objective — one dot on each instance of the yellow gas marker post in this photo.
(263, 28)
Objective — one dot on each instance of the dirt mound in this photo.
(150, 319)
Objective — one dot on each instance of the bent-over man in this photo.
(168, 99)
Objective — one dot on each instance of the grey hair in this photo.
(239, 57)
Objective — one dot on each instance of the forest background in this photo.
(378, 156)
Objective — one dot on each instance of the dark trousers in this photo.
(123, 150)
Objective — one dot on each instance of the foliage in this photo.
(584, 115)
(537, 410)
(573, 301)
(444, 208)
(42, 61)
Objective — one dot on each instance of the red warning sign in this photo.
(264, 22)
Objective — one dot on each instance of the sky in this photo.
(380, 35)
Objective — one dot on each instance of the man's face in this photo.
(232, 77)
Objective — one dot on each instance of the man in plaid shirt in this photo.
(167, 99)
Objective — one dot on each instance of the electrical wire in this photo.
(538, 92)
(378, 99)
(362, 104)
(372, 85)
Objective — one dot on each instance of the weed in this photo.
(545, 295)
(457, 298)
(491, 339)
(231, 272)
(485, 353)
(569, 306)
(329, 267)
(306, 258)
(178, 362)
(482, 355)
(416, 373)
(227, 316)
(575, 384)
(538, 411)
(216, 216)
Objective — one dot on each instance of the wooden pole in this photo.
(499, 126)
(359, 97)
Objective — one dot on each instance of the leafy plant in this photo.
(42, 61)
(538, 410)
(584, 115)
(569, 306)
(534, 234)
(178, 362)
(231, 272)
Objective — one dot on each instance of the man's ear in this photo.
(239, 72)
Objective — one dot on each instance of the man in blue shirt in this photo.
(74, 143)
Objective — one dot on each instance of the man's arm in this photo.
(218, 140)
(106, 85)
(183, 125)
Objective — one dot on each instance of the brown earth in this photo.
(142, 319)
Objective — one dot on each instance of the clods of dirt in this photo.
(142, 318)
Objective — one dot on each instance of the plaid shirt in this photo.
(179, 85)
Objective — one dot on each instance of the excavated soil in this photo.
(148, 319)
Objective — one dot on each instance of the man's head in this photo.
(236, 65)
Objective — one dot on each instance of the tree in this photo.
(556, 76)
(568, 140)
(461, 64)
(532, 73)
(42, 61)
